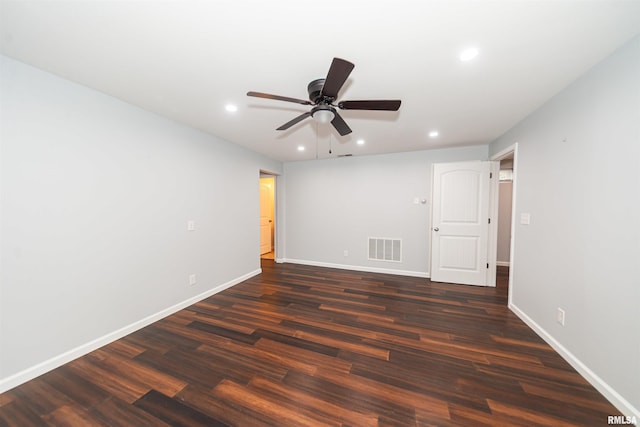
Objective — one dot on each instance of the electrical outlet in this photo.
(560, 316)
(192, 279)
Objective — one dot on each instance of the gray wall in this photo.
(578, 175)
(95, 199)
(334, 205)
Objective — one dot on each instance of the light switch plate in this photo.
(560, 316)
(525, 218)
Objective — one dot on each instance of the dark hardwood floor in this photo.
(300, 345)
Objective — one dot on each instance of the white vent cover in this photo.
(384, 249)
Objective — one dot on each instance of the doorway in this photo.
(508, 159)
(505, 195)
(267, 216)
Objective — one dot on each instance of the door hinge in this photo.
(489, 220)
(490, 175)
(487, 265)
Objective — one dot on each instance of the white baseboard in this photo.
(502, 263)
(607, 391)
(357, 267)
(50, 364)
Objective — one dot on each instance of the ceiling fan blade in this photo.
(337, 75)
(290, 123)
(340, 125)
(386, 105)
(279, 98)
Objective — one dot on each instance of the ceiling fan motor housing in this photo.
(315, 89)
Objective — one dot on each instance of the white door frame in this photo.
(512, 149)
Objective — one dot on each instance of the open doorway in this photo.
(267, 216)
(506, 216)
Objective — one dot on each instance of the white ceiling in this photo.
(186, 60)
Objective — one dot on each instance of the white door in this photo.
(460, 223)
(266, 217)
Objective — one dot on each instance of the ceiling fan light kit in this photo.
(323, 94)
(323, 114)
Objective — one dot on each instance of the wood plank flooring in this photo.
(307, 346)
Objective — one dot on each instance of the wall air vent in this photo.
(385, 249)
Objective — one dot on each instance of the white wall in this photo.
(578, 175)
(336, 204)
(95, 199)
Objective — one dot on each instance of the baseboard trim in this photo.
(50, 364)
(598, 383)
(366, 269)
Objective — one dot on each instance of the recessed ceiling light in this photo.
(433, 134)
(360, 142)
(468, 54)
(300, 147)
(231, 108)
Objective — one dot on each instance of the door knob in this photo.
(436, 229)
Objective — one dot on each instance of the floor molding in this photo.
(355, 267)
(605, 389)
(59, 360)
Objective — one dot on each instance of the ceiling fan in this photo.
(323, 94)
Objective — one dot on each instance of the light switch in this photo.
(416, 200)
(191, 225)
(525, 218)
